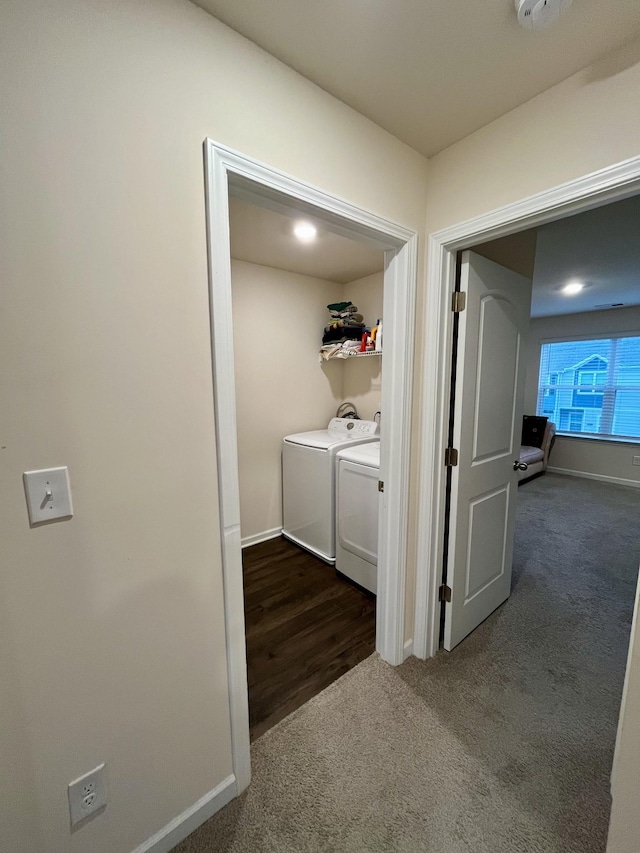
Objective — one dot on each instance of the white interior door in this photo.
(489, 391)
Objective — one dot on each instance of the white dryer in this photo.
(308, 482)
(357, 514)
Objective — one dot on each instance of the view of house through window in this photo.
(592, 386)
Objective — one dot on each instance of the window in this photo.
(549, 402)
(592, 386)
(596, 379)
(570, 420)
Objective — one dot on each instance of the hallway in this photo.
(502, 746)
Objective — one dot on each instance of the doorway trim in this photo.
(596, 189)
(251, 180)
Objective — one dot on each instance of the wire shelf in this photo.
(346, 355)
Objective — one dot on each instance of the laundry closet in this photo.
(290, 439)
(279, 316)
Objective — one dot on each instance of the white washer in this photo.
(308, 482)
(357, 514)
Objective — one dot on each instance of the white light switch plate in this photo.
(48, 494)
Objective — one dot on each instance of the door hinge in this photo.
(458, 301)
(444, 593)
(380, 486)
(450, 457)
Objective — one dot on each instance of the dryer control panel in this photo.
(351, 428)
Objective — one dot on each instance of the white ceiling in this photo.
(262, 236)
(601, 248)
(429, 71)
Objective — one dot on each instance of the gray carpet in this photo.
(502, 746)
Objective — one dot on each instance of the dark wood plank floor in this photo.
(306, 626)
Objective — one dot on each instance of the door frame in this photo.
(613, 183)
(257, 182)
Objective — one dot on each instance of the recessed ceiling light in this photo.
(305, 231)
(572, 288)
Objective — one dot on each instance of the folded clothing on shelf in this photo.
(351, 311)
(340, 323)
(342, 333)
(339, 350)
(345, 323)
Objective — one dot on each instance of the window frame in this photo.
(542, 388)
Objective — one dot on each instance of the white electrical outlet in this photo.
(636, 460)
(87, 794)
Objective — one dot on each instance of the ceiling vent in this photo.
(539, 14)
(610, 305)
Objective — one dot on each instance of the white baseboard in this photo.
(261, 537)
(408, 649)
(619, 481)
(178, 829)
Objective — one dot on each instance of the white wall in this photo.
(587, 122)
(516, 252)
(281, 387)
(363, 377)
(20, 828)
(581, 455)
(624, 827)
(116, 643)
